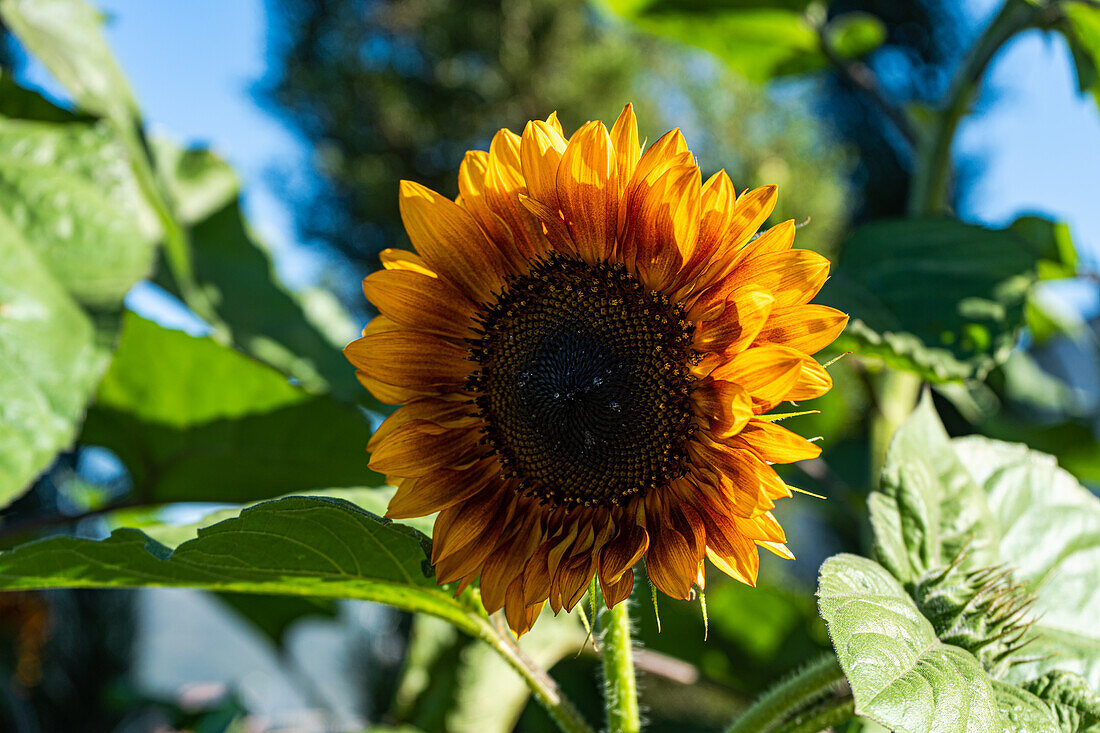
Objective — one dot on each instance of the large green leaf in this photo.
(316, 547)
(66, 36)
(929, 507)
(1049, 527)
(236, 269)
(934, 296)
(761, 39)
(49, 364)
(69, 188)
(901, 674)
(197, 421)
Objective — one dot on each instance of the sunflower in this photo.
(584, 345)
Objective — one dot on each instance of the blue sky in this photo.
(194, 65)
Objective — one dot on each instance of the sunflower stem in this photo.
(784, 701)
(560, 709)
(620, 684)
(828, 714)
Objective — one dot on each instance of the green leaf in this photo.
(901, 675)
(855, 34)
(313, 547)
(66, 36)
(934, 296)
(198, 181)
(1075, 705)
(298, 546)
(1051, 243)
(1082, 31)
(69, 188)
(1023, 711)
(1049, 528)
(236, 269)
(761, 40)
(929, 508)
(197, 421)
(49, 364)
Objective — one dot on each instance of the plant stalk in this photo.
(620, 684)
(826, 715)
(542, 686)
(895, 393)
(931, 181)
(790, 696)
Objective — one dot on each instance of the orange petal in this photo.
(808, 328)
(750, 212)
(624, 138)
(813, 381)
(775, 443)
(742, 567)
(665, 225)
(410, 359)
(670, 563)
(390, 394)
(725, 407)
(420, 447)
(441, 489)
(716, 206)
(443, 413)
(619, 591)
(420, 302)
(540, 152)
(626, 548)
(472, 192)
(768, 373)
(793, 278)
(745, 314)
(402, 259)
(507, 562)
(588, 191)
(450, 241)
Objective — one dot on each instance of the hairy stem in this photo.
(929, 191)
(789, 696)
(542, 686)
(825, 715)
(620, 685)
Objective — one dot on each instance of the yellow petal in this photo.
(450, 241)
(588, 191)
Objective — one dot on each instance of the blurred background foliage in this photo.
(772, 91)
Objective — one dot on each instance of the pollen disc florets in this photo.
(584, 382)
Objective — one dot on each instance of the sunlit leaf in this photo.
(66, 36)
(236, 269)
(900, 673)
(934, 296)
(69, 188)
(314, 547)
(197, 421)
(1049, 528)
(929, 508)
(49, 364)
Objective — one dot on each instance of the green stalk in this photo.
(177, 241)
(793, 694)
(620, 686)
(828, 714)
(928, 194)
(542, 686)
(895, 395)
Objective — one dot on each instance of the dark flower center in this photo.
(584, 384)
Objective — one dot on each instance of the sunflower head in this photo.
(584, 346)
